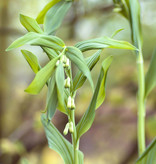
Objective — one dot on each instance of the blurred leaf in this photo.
(103, 42)
(116, 32)
(9, 147)
(76, 56)
(58, 143)
(101, 95)
(32, 60)
(150, 81)
(150, 126)
(41, 15)
(24, 161)
(55, 16)
(30, 24)
(33, 38)
(79, 78)
(60, 86)
(52, 99)
(88, 117)
(41, 77)
(149, 156)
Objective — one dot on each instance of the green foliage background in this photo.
(112, 139)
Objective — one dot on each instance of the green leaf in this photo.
(103, 42)
(116, 32)
(41, 15)
(101, 94)
(33, 38)
(76, 56)
(42, 77)
(150, 81)
(131, 10)
(55, 16)
(52, 99)
(58, 143)
(30, 24)
(50, 52)
(79, 78)
(149, 156)
(32, 60)
(135, 23)
(88, 117)
(60, 86)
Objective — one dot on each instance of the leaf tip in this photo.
(21, 15)
(8, 49)
(28, 90)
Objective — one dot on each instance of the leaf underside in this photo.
(42, 77)
(88, 117)
(103, 42)
(58, 143)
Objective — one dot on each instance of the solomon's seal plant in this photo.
(58, 76)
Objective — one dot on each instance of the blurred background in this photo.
(112, 138)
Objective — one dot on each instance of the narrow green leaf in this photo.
(50, 52)
(79, 78)
(150, 81)
(32, 60)
(135, 23)
(55, 16)
(58, 143)
(149, 156)
(88, 117)
(60, 86)
(101, 95)
(103, 42)
(42, 77)
(52, 99)
(76, 56)
(41, 15)
(33, 38)
(116, 32)
(131, 10)
(30, 24)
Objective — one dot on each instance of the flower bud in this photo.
(72, 103)
(67, 82)
(71, 129)
(65, 132)
(117, 9)
(57, 63)
(62, 59)
(69, 102)
(67, 63)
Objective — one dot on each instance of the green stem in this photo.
(74, 139)
(141, 104)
